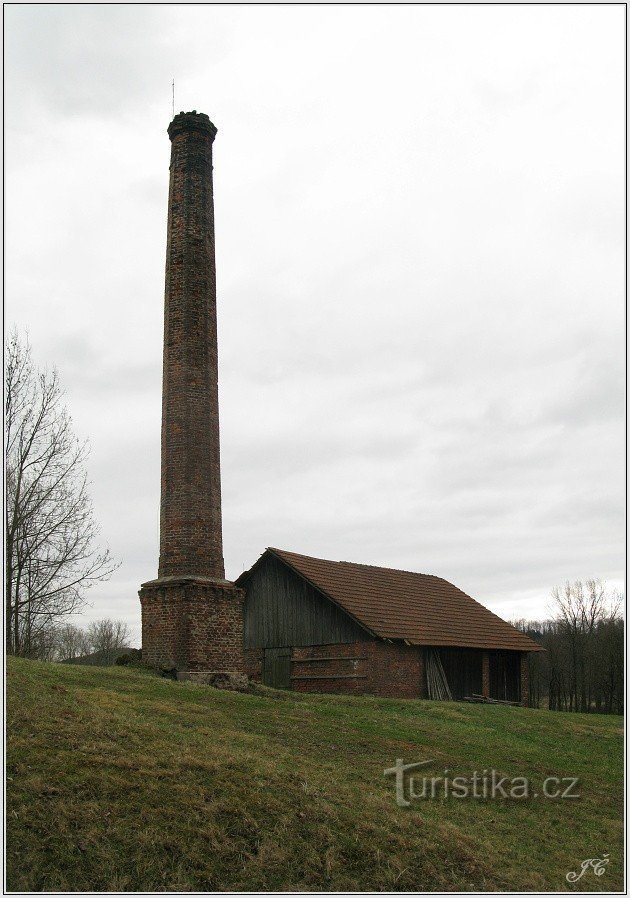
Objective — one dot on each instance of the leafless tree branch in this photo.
(51, 551)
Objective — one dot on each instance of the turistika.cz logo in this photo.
(485, 785)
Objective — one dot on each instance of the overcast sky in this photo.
(420, 263)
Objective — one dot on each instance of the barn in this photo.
(332, 626)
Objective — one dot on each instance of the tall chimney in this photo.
(192, 621)
(190, 511)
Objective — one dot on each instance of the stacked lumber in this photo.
(437, 684)
(486, 700)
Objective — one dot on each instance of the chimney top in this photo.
(191, 121)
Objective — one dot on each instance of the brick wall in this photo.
(397, 670)
(372, 668)
(367, 668)
(193, 626)
(253, 661)
(190, 508)
(525, 679)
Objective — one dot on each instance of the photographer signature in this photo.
(597, 864)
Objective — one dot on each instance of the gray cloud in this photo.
(96, 61)
(420, 275)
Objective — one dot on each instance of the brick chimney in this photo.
(192, 620)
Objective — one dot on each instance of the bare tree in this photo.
(582, 667)
(581, 608)
(51, 551)
(71, 642)
(108, 638)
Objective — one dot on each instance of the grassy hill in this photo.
(121, 781)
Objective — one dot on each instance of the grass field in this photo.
(119, 780)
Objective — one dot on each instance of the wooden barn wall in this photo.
(281, 609)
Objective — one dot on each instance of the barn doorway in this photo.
(462, 668)
(505, 676)
(277, 668)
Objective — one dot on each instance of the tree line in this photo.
(102, 642)
(582, 667)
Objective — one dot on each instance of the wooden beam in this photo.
(328, 658)
(331, 677)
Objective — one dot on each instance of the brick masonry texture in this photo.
(192, 626)
(524, 680)
(190, 508)
(253, 659)
(372, 667)
(192, 618)
(390, 670)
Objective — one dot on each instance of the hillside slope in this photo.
(121, 781)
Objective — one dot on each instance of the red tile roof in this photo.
(419, 608)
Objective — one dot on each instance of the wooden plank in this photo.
(329, 658)
(486, 700)
(330, 677)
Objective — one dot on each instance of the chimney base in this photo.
(220, 679)
(193, 627)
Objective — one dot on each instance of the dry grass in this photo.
(121, 781)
